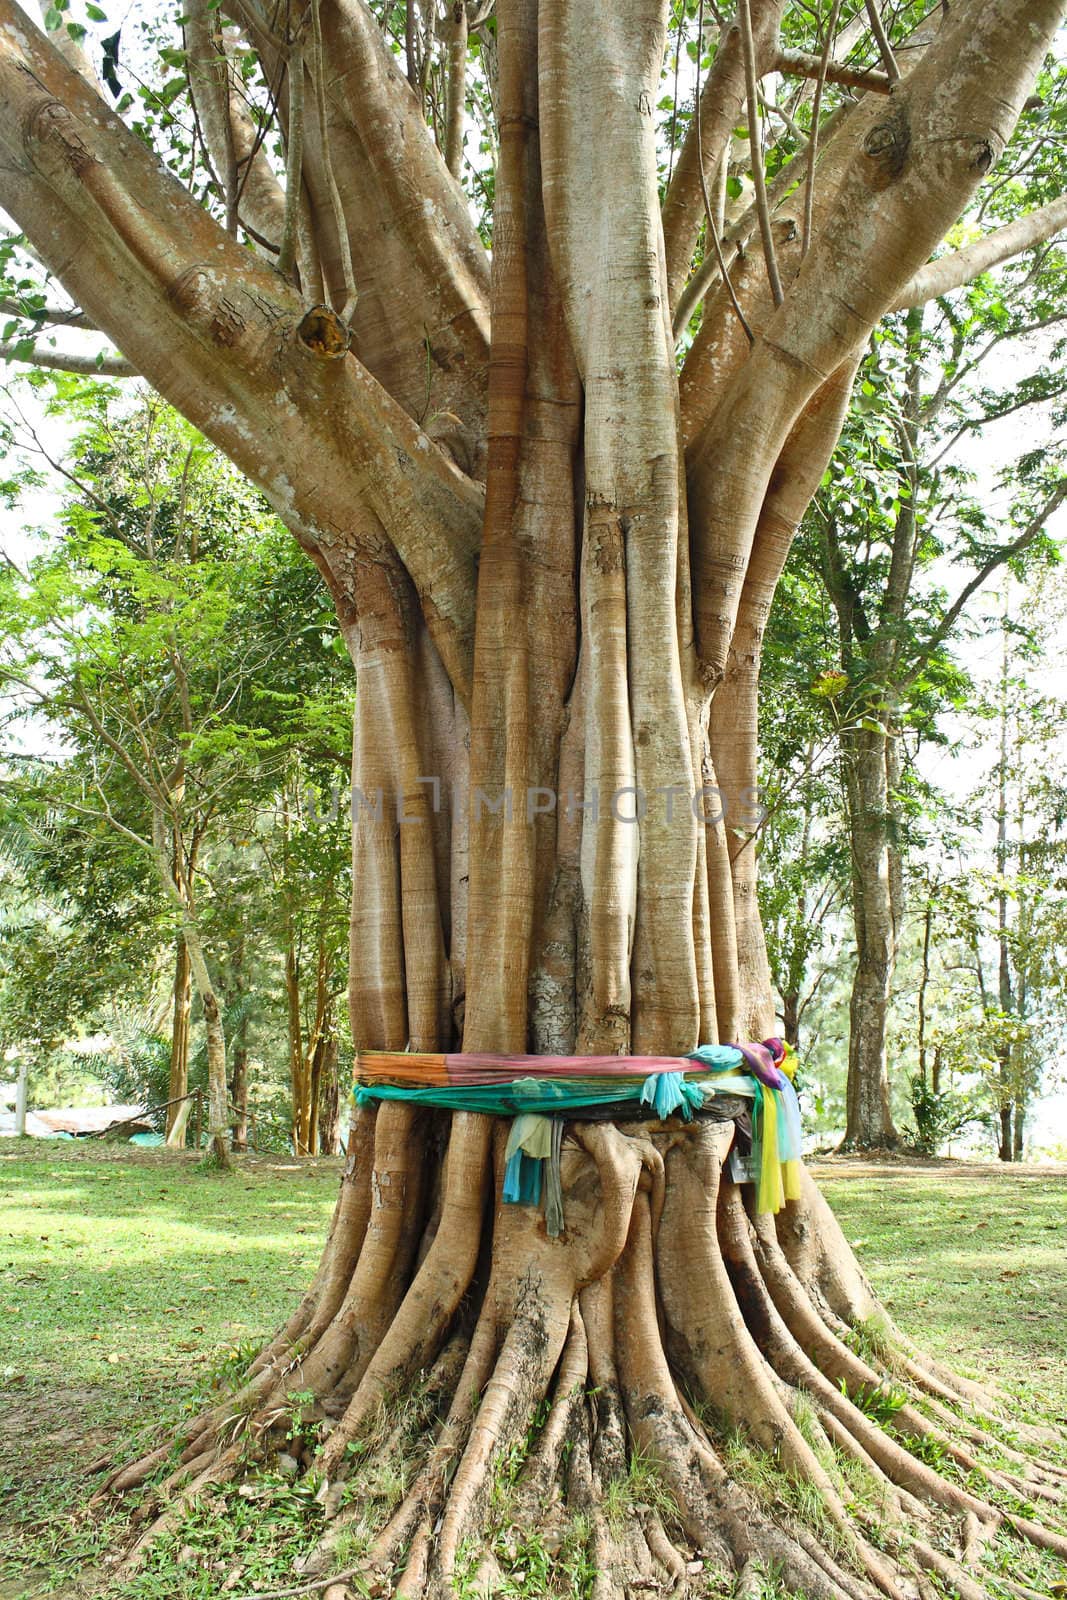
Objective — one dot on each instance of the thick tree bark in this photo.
(556, 674)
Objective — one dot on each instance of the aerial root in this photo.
(952, 1572)
(527, 1359)
(422, 1504)
(382, 1266)
(543, 1462)
(219, 1470)
(796, 1324)
(444, 1276)
(600, 1387)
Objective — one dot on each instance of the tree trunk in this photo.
(179, 1035)
(295, 1034)
(21, 1094)
(554, 758)
(314, 1095)
(791, 1019)
(331, 1137)
(1004, 1149)
(924, 984)
(239, 1088)
(869, 1118)
(217, 1084)
(1006, 1052)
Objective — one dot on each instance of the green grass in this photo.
(971, 1261)
(126, 1286)
(129, 1284)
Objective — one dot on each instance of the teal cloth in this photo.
(718, 1057)
(547, 1095)
(532, 1156)
(531, 1133)
(668, 1092)
(522, 1180)
(554, 1185)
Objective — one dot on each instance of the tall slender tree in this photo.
(552, 559)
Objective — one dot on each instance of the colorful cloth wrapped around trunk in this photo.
(540, 1092)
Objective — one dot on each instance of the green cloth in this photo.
(531, 1133)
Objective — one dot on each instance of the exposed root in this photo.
(673, 1394)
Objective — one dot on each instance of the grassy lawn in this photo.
(127, 1283)
(970, 1260)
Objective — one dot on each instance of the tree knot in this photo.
(888, 144)
(983, 155)
(51, 122)
(323, 332)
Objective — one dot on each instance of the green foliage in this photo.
(175, 661)
(940, 1116)
(880, 1401)
(862, 651)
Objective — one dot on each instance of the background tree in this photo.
(552, 559)
(156, 639)
(900, 538)
(995, 996)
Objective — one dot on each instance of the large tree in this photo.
(553, 561)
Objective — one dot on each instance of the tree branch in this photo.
(952, 271)
(101, 366)
(799, 64)
(997, 559)
(881, 39)
(756, 147)
(230, 136)
(224, 339)
(433, 249)
(294, 161)
(720, 108)
(972, 80)
(344, 244)
(813, 143)
(737, 233)
(58, 316)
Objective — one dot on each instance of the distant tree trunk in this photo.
(298, 1074)
(307, 1047)
(179, 1035)
(174, 862)
(1006, 1050)
(1018, 1129)
(869, 1117)
(791, 1018)
(239, 1086)
(217, 1085)
(1005, 1146)
(331, 1101)
(21, 1095)
(924, 984)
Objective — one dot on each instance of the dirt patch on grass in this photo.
(134, 1155)
(887, 1164)
(61, 1440)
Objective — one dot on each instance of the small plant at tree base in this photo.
(940, 1116)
